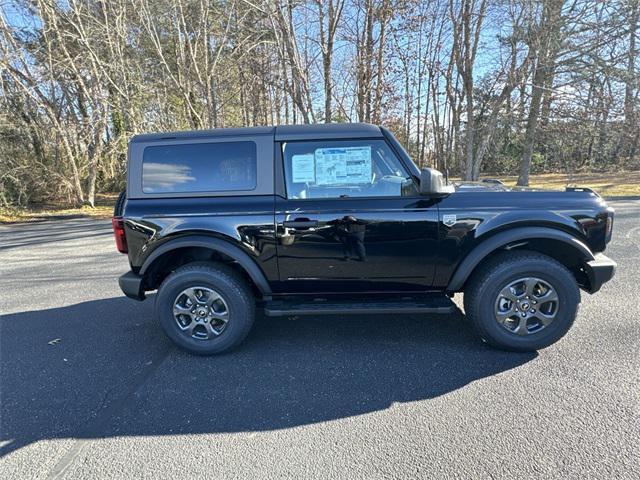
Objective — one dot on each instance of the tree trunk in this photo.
(328, 87)
(549, 34)
(547, 98)
(377, 101)
(470, 136)
(327, 39)
(532, 124)
(631, 81)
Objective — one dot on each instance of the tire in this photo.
(511, 274)
(234, 297)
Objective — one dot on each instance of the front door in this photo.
(352, 220)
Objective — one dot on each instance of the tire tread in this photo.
(233, 279)
(473, 292)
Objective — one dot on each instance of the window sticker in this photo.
(303, 168)
(343, 166)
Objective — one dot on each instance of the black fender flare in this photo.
(216, 244)
(502, 239)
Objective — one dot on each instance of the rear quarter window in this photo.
(199, 167)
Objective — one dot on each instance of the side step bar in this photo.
(438, 304)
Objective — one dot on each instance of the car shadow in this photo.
(39, 233)
(102, 368)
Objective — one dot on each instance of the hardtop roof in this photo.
(281, 132)
(326, 130)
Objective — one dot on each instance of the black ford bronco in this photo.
(337, 219)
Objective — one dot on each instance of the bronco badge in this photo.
(449, 220)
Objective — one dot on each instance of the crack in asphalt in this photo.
(107, 413)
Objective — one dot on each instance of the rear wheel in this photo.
(522, 301)
(205, 308)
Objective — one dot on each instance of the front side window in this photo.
(341, 169)
(199, 167)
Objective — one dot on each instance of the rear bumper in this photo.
(131, 285)
(600, 270)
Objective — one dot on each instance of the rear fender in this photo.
(215, 244)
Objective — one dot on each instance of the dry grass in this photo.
(103, 209)
(606, 184)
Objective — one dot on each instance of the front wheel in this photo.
(205, 308)
(522, 301)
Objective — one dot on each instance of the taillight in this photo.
(118, 231)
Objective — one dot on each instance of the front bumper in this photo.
(131, 285)
(599, 271)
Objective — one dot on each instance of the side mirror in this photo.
(432, 183)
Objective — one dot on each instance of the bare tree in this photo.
(474, 86)
(328, 27)
(284, 29)
(546, 42)
(467, 22)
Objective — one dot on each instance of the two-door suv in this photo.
(337, 219)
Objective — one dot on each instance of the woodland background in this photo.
(511, 87)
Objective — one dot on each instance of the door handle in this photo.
(300, 224)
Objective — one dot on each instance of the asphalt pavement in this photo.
(91, 388)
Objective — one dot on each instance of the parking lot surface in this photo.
(90, 387)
